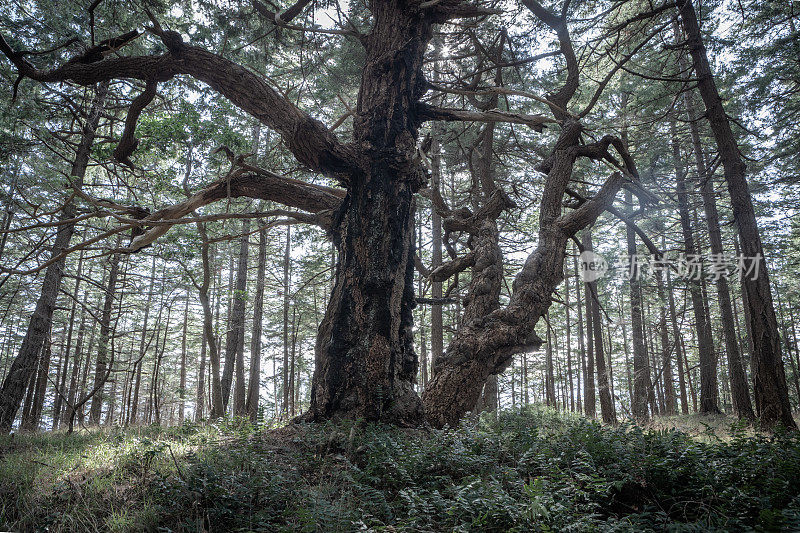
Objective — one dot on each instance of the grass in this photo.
(535, 470)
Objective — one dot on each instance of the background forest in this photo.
(131, 325)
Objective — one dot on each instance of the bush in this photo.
(535, 470)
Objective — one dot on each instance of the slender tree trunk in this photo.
(657, 404)
(229, 365)
(667, 350)
(151, 399)
(490, 393)
(709, 391)
(689, 379)
(437, 323)
(120, 315)
(550, 390)
(740, 396)
(200, 393)
(581, 347)
(255, 342)
(676, 333)
(100, 369)
(590, 402)
(156, 383)
(237, 321)
(27, 407)
(112, 403)
(603, 379)
(81, 412)
(217, 405)
(569, 343)
(603, 385)
(58, 388)
(628, 365)
(61, 391)
(143, 344)
(423, 336)
(182, 386)
(610, 368)
(38, 387)
(287, 262)
(76, 361)
(26, 361)
(738, 382)
(769, 380)
(641, 368)
(293, 363)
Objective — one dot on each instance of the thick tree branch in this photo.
(307, 138)
(453, 267)
(264, 185)
(128, 142)
(590, 209)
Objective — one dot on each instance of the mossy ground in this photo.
(535, 470)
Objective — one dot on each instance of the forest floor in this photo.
(535, 470)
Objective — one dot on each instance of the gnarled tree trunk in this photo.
(365, 360)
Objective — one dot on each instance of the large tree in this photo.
(365, 364)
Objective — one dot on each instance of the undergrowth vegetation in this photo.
(530, 471)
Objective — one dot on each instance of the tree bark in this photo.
(293, 364)
(549, 380)
(590, 401)
(569, 344)
(76, 362)
(38, 386)
(437, 322)
(486, 345)
(200, 393)
(676, 334)
(365, 363)
(137, 367)
(365, 360)
(667, 350)
(581, 347)
(740, 395)
(61, 391)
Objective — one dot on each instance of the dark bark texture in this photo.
(365, 360)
